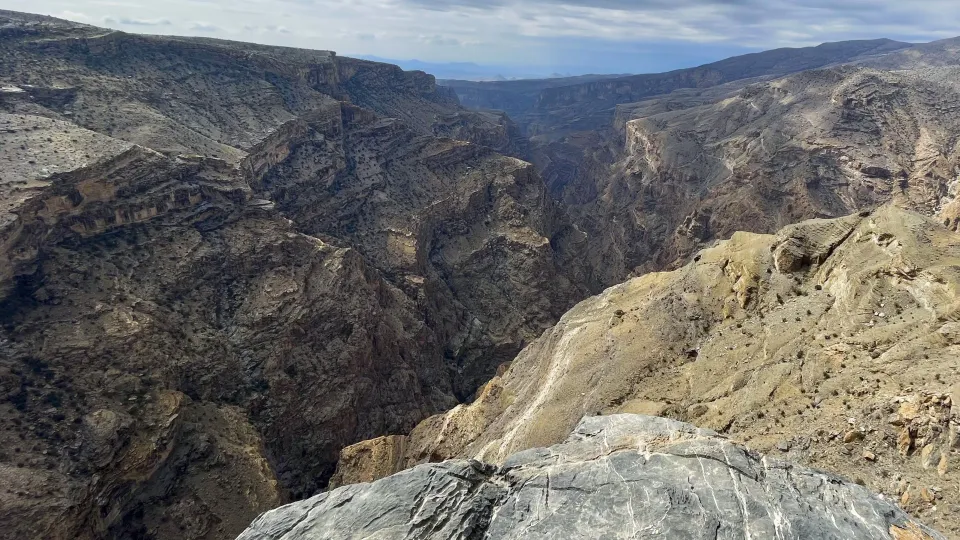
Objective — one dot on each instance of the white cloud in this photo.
(528, 31)
(73, 16)
(204, 27)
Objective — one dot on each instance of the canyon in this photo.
(235, 276)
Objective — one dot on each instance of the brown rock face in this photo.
(469, 233)
(171, 321)
(190, 336)
(811, 360)
(211, 97)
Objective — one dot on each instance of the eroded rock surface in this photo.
(621, 476)
(845, 359)
(190, 332)
(206, 96)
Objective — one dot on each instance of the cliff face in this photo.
(653, 167)
(591, 105)
(515, 98)
(212, 97)
(613, 476)
(175, 339)
(823, 143)
(833, 343)
(468, 233)
(191, 331)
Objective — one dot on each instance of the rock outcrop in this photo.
(622, 476)
(832, 343)
(822, 143)
(168, 319)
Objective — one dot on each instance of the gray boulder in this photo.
(622, 476)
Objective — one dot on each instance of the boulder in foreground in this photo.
(619, 476)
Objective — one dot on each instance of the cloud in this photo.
(439, 41)
(562, 35)
(137, 22)
(204, 27)
(73, 16)
(755, 23)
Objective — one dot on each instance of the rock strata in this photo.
(848, 345)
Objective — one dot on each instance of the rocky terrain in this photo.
(222, 263)
(212, 97)
(470, 234)
(652, 168)
(623, 476)
(698, 166)
(569, 107)
(225, 266)
(833, 343)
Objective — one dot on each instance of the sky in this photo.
(524, 37)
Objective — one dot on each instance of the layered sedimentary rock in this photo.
(192, 331)
(568, 108)
(623, 476)
(515, 98)
(653, 167)
(833, 343)
(175, 353)
(824, 143)
(467, 232)
(212, 97)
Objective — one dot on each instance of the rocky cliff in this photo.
(623, 476)
(212, 97)
(833, 343)
(176, 354)
(221, 263)
(591, 105)
(823, 143)
(467, 232)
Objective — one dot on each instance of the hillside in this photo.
(833, 343)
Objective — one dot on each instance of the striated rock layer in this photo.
(190, 332)
(834, 343)
(622, 476)
(654, 167)
(175, 354)
(206, 96)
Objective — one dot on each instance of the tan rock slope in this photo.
(835, 343)
(672, 173)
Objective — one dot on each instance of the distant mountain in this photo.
(469, 71)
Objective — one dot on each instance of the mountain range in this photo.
(238, 276)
